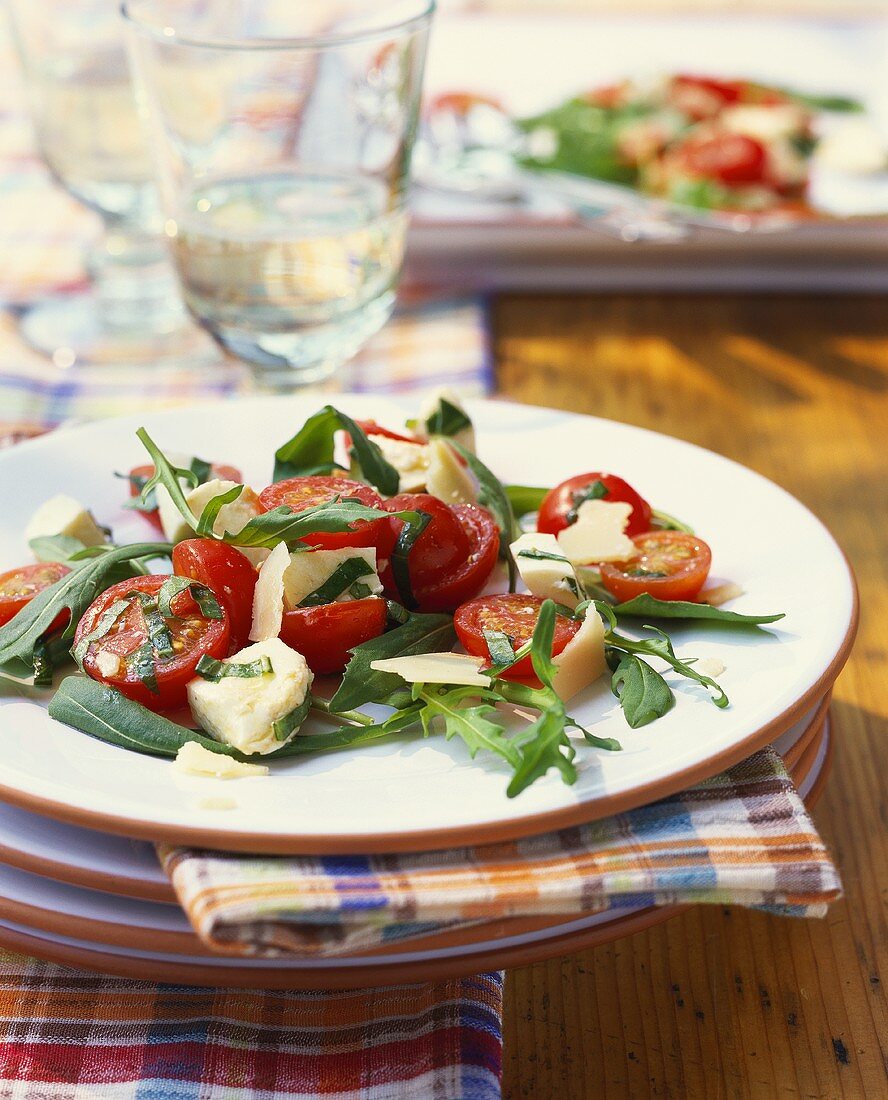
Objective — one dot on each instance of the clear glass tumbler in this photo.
(282, 134)
(74, 60)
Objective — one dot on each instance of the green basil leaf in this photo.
(310, 451)
(43, 665)
(360, 591)
(159, 637)
(492, 496)
(525, 498)
(647, 607)
(214, 671)
(499, 646)
(203, 596)
(447, 419)
(400, 558)
(211, 510)
(362, 684)
(643, 693)
(201, 469)
(597, 490)
(541, 555)
(342, 577)
(285, 727)
(374, 466)
(106, 622)
(141, 663)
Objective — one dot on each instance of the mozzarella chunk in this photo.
(309, 570)
(63, 515)
(598, 533)
(710, 666)
(411, 460)
(232, 517)
(241, 711)
(429, 407)
(107, 663)
(547, 578)
(582, 660)
(721, 593)
(765, 123)
(194, 759)
(447, 478)
(268, 597)
(436, 668)
(855, 145)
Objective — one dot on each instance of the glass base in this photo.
(76, 329)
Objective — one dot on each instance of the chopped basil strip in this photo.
(400, 563)
(141, 663)
(596, 491)
(541, 555)
(202, 596)
(499, 646)
(492, 496)
(344, 575)
(211, 669)
(201, 469)
(104, 626)
(396, 613)
(360, 591)
(291, 722)
(43, 666)
(447, 419)
(155, 623)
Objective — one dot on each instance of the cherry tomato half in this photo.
(558, 502)
(192, 636)
(300, 493)
(671, 566)
(138, 475)
(224, 570)
(324, 635)
(702, 97)
(514, 614)
(728, 158)
(20, 586)
(370, 427)
(443, 545)
(468, 577)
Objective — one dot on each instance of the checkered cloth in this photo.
(742, 838)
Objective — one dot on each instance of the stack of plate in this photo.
(75, 888)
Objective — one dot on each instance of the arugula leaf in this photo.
(643, 693)
(74, 592)
(374, 466)
(447, 419)
(284, 525)
(838, 103)
(646, 606)
(662, 521)
(362, 684)
(525, 498)
(214, 671)
(211, 511)
(471, 724)
(171, 477)
(492, 495)
(310, 451)
(55, 547)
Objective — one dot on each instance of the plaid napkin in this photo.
(742, 838)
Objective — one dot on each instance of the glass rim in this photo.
(164, 32)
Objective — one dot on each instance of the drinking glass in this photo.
(77, 78)
(282, 134)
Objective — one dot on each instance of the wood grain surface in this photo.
(720, 1002)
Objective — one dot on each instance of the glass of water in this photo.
(282, 134)
(73, 56)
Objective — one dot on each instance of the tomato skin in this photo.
(703, 97)
(227, 573)
(730, 159)
(370, 427)
(560, 499)
(459, 584)
(197, 634)
(19, 586)
(442, 547)
(515, 614)
(684, 558)
(324, 635)
(219, 470)
(300, 493)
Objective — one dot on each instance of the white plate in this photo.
(418, 794)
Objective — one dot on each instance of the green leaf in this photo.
(171, 477)
(492, 495)
(284, 525)
(662, 521)
(310, 451)
(646, 607)
(660, 646)
(596, 490)
(214, 671)
(586, 141)
(839, 103)
(141, 663)
(374, 467)
(525, 498)
(544, 745)
(159, 637)
(74, 592)
(471, 724)
(285, 727)
(203, 596)
(43, 664)
(362, 684)
(447, 419)
(55, 547)
(211, 511)
(499, 646)
(400, 556)
(643, 693)
(342, 578)
(542, 642)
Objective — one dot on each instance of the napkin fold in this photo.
(741, 838)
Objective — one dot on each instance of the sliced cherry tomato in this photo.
(558, 502)
(441, 548)
(702, 97)
(670, 565)
(224, 570)
(19, 586)
(192, 636)
(138, 475)
(728, 158)
(300, 493)
(462, 582)
(324, 635)
(514, 614)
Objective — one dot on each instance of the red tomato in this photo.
(703, 96)
(560, 500)
(370, 427)
(442, 547)
(515, 614)
(671, 566)
(138, 475)
(464, 580)
(192, 636)
(729, 158)
(20, 586)
(300, 493)
(225, 571)
(324, 635)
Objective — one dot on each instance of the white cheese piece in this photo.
(710, 666)
(241, 711)
(447, 478)
(232, 517)
(268, 597)
(194, 759)
(466, 436)
(854, 145)
(548, 579)
(308, 571)
(411, 460)
(255, 555)
(598, 534)
(63, 515)
(767, 124)
(582, 660)
(436, 668)
(107, 663)
(721, 593)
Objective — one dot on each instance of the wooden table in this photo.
(721, 1002)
